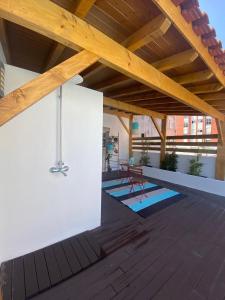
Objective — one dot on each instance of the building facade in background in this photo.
(191, 125)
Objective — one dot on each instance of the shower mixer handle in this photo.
(60, 168)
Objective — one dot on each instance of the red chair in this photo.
(136, 178)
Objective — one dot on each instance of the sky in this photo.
(216, 12)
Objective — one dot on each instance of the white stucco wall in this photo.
(38, 208)
(208, 185)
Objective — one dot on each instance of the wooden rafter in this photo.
(206, 88)
(4, 41)
(31, 92)
(81, 9)
(176, 60)
(163, 140)
(148, 33)
(221, 131)
(174, 14)
(157, 128)
(124, 125)
(131, 108)
(162, 65)
(220, 159)
(213, 97)
(194, 77)
(216, 102)
(143, 36)
(116, 112)
(55, 22)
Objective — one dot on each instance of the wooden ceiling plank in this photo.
(174, 14)
(131, 108)
(130, 91)
(5, 42)
(206, 88)
(81, 9)
(194, 77)
(31, 92)
(216, 102)
(143, 36)
(55, 22)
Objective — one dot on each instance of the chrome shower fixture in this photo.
(60, 166)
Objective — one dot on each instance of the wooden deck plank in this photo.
(42, 271)
(62, 262)
(92, 242)
(30, 275)
(71, 256)
(87, 249)
(18, 284)
(52, 265)
(7, 280)
(83, 260)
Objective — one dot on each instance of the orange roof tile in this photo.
(192, 13)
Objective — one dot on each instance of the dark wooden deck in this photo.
(177, 253)
(36, 272)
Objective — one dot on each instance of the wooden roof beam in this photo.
(31, 92)
(162, 65)
(194, 77)
(175, 61)
(148, 33)
(81, 9)
(213, 96)
(206, 88)
(123, 124)
(114, 112)
(174, 14)
(112, 103)
(49, 19)
(157, 128)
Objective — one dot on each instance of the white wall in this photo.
(208, 168)
(208, 185)
(38, 208)
(116, 127)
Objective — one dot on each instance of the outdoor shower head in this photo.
(78, 79)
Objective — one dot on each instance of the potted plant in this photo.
(170, 162)
(145, 159)
(195, 166)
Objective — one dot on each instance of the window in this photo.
(185, 130)
(186, 121)
(208, 121)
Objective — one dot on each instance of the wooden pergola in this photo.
(154, 58)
